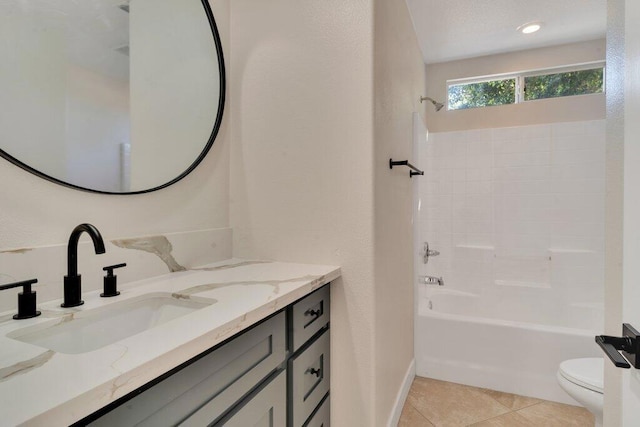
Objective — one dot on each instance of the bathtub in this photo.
(465, 338)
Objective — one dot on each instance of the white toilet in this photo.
(583, 379)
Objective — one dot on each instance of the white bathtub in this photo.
(463, 338)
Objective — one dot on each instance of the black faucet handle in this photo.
(26, 299)
(110, 287)
(109, 269)
(26, 284)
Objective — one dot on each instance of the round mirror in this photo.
(109, 96)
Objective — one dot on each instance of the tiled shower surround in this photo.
(520, 211)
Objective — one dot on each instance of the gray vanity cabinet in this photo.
(205, 389)
(267, 408)
(275, 374)
(322, 416)
(309, 366)
(309, 316)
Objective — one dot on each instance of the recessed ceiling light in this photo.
(530, 27)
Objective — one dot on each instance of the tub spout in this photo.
(432, 280)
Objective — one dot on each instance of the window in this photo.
(526, 86)
(564, 84)
(482, 94)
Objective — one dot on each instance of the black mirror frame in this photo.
(216, 127)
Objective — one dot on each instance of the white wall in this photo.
(585, 107)
(399, 81)
(302, 164)
(36, 212)
(319, 105)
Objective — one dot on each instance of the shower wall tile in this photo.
(439, 213)
(532, 271)
(459, 187)
(478, 187)
(510, 134)
(579, 235)
(460, 149)
(526, 145)
(480, 239)
(521, 245)
(478, 174)
(594, 170)
(532, 158)
(578, 207)
(459, 239)
(578, 142)
(579, 186)
(576, 157)
(596, 129)
(506, 226)
(568, 129)
(521, 173)
(479, 135)
(480, 153)
(577, 268)
(523, 195)
(536, 131)
(540, 186)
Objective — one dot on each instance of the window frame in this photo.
(519, 77)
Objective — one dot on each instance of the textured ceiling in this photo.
(456, 29)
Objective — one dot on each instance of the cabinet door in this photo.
(310, 372)
(268, 408)
(210, 385)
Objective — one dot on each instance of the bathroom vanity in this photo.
(231, 343)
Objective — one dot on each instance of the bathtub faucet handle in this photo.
(428, 252)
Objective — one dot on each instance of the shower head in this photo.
(435, 103)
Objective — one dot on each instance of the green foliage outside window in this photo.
(483, 94)
(501, 92)
(563, 84)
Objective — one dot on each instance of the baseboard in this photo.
(402, 395)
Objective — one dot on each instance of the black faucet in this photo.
(73, 281)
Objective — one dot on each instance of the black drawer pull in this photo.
(316, 372)
(312, 312)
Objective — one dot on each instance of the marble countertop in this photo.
(39, 386)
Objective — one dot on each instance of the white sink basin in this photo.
(93, 329)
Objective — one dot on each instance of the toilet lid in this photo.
(587, 373)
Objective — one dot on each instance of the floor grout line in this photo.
(421, 414)
(491, 418)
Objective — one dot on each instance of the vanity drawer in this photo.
(322, 418)
(208, 387)
(309, 316)
(268, 408)
(309, 379)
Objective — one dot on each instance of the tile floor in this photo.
(442, 404)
